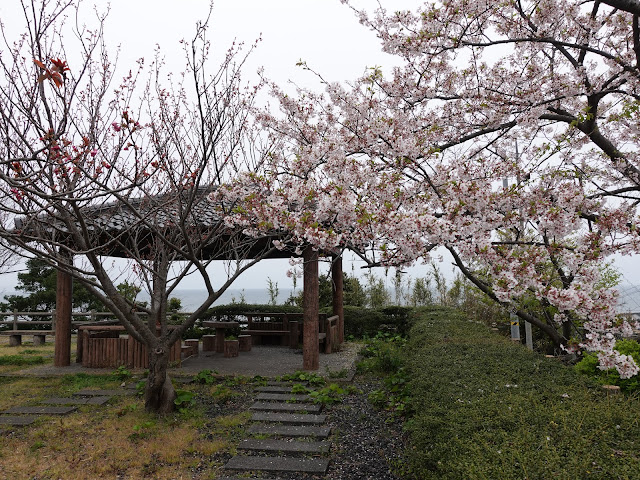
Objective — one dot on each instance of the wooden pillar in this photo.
(338, 302)
(311, 307)
(62, 350)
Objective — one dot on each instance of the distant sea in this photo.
(192, 298)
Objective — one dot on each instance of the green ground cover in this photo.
(488, 409)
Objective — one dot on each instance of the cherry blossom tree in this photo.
(507, 134)
(94, 166)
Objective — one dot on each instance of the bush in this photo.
(488, 409)
(364, 322)
(589, 366)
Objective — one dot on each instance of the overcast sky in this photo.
(324, 33)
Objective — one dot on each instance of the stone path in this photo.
(299, 444)
(26, 415)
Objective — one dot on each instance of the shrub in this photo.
(589, 366)
(364, 322)
(488, 409)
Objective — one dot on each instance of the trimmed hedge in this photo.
(361, 322)
(488, 409)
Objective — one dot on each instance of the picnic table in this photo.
(287, 329)
(220, 328)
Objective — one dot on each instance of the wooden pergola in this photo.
(120, 220)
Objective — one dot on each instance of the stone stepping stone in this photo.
(247, 478)
(290, 430)
(103, 393)
(273, 389)
(16, 421)
(39, 410)
(77, 401)
(278, 464)
(284, 397)
(289, 418)
(284, 446)
(286, 407)
(181, 380)
(276, 383)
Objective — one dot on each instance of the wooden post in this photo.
(62, 351)
(294, 334)
(310, 303)
(338, 302)
(15, 320)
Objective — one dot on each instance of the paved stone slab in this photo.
(284, 397)
(284, 446)
(39, 410)
(16, 421)
(290, 430)
(278, 464)
(273, 389)
(245, 478)
(77, 401)
(289, 418)
(286, 407)
(103, 393)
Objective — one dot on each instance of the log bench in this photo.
(288, 328)
(15, 336)
(274, 326)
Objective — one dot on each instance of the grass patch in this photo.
(13, 359)
(117, 440)
(488, 409)
(21, 360)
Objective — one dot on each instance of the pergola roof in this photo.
(130, 224)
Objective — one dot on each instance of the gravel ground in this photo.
(365, 442)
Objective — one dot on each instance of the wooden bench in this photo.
(15, 336)
(270, 325)
(288, 327)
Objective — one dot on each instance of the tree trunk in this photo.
(566, 330)
(159, 394)
(310, 298)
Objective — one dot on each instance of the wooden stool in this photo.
(208, 343)
(231, 348)
(244, 343)
(194, 344)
